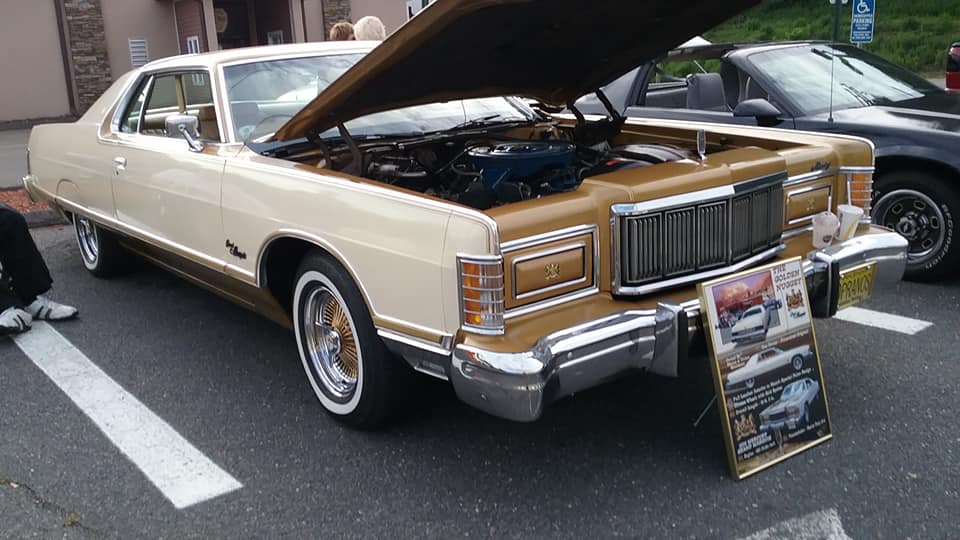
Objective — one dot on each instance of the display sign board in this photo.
(861, 26)
(766, 366)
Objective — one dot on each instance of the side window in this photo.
(181, 93)
(161, 103)
(130, 122)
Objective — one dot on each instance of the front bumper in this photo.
(789, 422)
(518, 385)
(748, 335)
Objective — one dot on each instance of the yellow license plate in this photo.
(856, 285)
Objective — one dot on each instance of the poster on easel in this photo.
(766, 366)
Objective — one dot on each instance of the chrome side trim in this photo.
(422, 356)
(545, 238)
(160, 242)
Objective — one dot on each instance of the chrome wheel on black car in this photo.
(923, 209)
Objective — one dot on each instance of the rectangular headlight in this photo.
(481, 293)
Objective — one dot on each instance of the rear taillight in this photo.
(481, 293)
(860, 191)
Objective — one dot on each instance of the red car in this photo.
(953, 68)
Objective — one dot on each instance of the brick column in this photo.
(87, 50)
(334, 11)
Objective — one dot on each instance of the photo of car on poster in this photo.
(766, 366)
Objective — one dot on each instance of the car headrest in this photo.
(705, 92)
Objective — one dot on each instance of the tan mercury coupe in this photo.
(403, 210)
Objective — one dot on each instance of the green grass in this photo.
(913, 33)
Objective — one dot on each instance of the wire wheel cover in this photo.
(331, 343)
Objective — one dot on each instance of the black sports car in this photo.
(914, 124)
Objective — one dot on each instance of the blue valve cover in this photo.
(525, 162)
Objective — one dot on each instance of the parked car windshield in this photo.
(861, 79)
(264, 95)
(752, 311)
(790, 390)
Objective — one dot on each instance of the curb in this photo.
(37, 218)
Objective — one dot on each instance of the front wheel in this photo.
(100, 252)
(924, 209)
(352, 373)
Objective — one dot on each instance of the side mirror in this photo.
(184, 125)
(759, 108)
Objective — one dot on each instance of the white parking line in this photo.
(886, 321)
(181, 472)
(822, 525)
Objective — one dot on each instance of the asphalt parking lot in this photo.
(621, 460)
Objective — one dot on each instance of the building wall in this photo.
(34, 84)
(189, 22)
(87, 49)
(147, 19)
(393, 13)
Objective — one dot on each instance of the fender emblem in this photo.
(234, 250)
(551, 271)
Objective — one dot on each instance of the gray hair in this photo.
(369, 28)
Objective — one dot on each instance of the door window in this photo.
(187, 93)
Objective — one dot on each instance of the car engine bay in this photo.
(491, 170)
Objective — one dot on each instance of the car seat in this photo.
(705, 92)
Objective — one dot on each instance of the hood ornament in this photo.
(702, 144)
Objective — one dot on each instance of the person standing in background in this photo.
(370, 28)
(342, 31)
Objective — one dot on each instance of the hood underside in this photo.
(551, 50)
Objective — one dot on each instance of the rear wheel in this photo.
(798, 362)
(352, 373)
(924, 209)
(100, 252)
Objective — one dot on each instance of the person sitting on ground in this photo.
(25, 278)
(342, 31)
(370, 28)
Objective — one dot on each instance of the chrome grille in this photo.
(725, 226)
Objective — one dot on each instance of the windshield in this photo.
(860, 78)
(263, 96)
(790, 390)
(751, 311)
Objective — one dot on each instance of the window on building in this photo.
(193, 44)
(139, 52)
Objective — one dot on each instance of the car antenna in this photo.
(833, 63)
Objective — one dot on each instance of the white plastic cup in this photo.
(849, 218)
(824, 228)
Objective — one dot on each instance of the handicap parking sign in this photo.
(861, 27)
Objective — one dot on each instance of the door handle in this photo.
(121, 164)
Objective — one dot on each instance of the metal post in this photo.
(836, 20)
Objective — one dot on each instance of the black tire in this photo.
(356, 379)
(797, 362)
(925, 209)
(100, 252)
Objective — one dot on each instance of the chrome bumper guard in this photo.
(517, 386)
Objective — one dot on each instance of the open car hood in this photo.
(551, 50)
